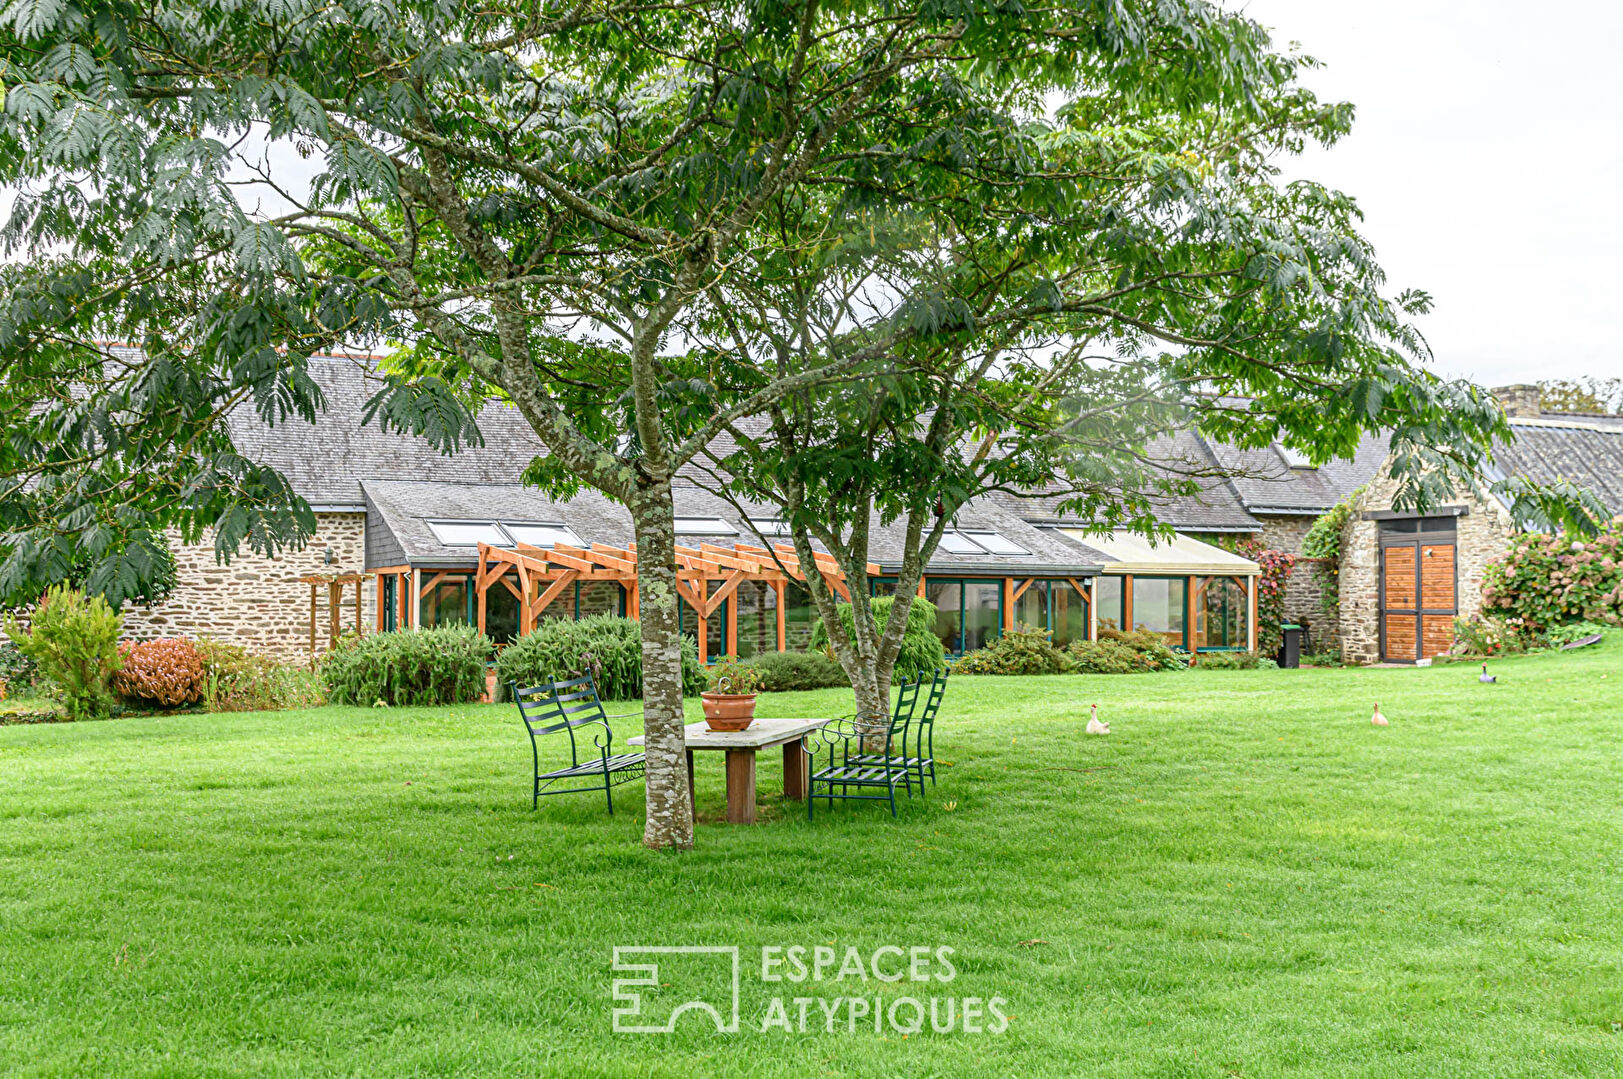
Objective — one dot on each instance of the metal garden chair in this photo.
(850, 760)
(918, 738)
(567, 706)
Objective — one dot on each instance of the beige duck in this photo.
(1378, 719)
(1095, 726)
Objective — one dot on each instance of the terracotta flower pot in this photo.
(728, 711)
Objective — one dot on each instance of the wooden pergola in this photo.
(537, 576)
(335, 584)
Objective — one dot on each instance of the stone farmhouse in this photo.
(437, 540)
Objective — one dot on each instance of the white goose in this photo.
(1095, 726)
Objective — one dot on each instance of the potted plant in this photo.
(729, 704)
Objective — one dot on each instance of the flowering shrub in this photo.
(1276, 574)
(1488, 636)
(1549, 580)
(167, 673)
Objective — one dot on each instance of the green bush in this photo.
(922, 651)
(408, 667)
(608, 646)
(237, 680)
(785, 672)
(1022, 650)
(1228, 661)
(74, 640)
(1545, 581)
(1574, 631)
(17, 671)
(1124, 653)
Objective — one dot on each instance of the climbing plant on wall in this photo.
(1276, 574)
(1323, 544)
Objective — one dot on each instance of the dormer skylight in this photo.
(704, 526)
(1293, 458)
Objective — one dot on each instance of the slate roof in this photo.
(1216, 508)
(1578, 449)
(327, 461)
(1265, 484)
(398, 512)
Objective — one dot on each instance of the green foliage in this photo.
(1116, 652)
(74, 641)
(1487, 635)
(1230, 661)
(17, 671)
(406, 667)
(922, 651)
(1271, 583)
(1323, 543)
(1022, 650)
(1574, 631)
(237, 680)
(729, 675)
(608, 647)
(1601, 395)
(1547, 580)
(784, 672)
(167, 673)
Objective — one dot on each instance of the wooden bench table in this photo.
(741, 748)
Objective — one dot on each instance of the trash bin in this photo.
(1290, 652)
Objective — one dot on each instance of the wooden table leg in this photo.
(740, 786)
(693, 795)
(794, 771)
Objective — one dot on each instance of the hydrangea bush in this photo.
(1545, 581)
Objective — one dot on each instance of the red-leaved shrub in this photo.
(168, 672)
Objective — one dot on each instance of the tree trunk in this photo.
(670, 805)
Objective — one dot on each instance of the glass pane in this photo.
(447, 605)
(543, 535)
(468, 533)
(501, 614)
(799, 615)
(997, 543)
(983, 613)
(757, 618)
(599, 597)
(391, 605)
(704, 526)
(947, 596)
(770, 526)
(881, 588)
(1070, 615)
(1221, 621)
(1158, 606)
(958, 543)
(1107, 593)
(1031, 609)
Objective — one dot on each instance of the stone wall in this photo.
(258, 602)
(1482, 535)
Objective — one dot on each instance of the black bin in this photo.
(1290, 652)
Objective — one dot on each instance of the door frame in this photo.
(1417, 541)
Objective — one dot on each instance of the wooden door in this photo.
(1418, 600)
(1400, 612)
(1437, 600)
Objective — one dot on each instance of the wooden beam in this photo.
(728, 587)
(1083, 592)
(694, 597)
(380, 603)
(1021, 590)
(507, 583)
(401, 588)
(553, 591)
(1191, 590)
(782, 588)
(633, 606)
(312, 623)
(1008, 604)
(1251, 614)
(1127, 603)
(358, 607)
(335, 607)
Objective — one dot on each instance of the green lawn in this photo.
(1246, 878)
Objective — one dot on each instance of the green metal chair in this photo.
(568, 706)
(850, 761)
(919, 757)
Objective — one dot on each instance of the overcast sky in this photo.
(1488, 159)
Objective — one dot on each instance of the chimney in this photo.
(1519, 400)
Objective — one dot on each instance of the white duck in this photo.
(1094, 724)
(1378, 719)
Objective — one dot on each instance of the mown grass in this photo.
(1246, 878)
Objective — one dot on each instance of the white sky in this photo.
(1488, 159)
